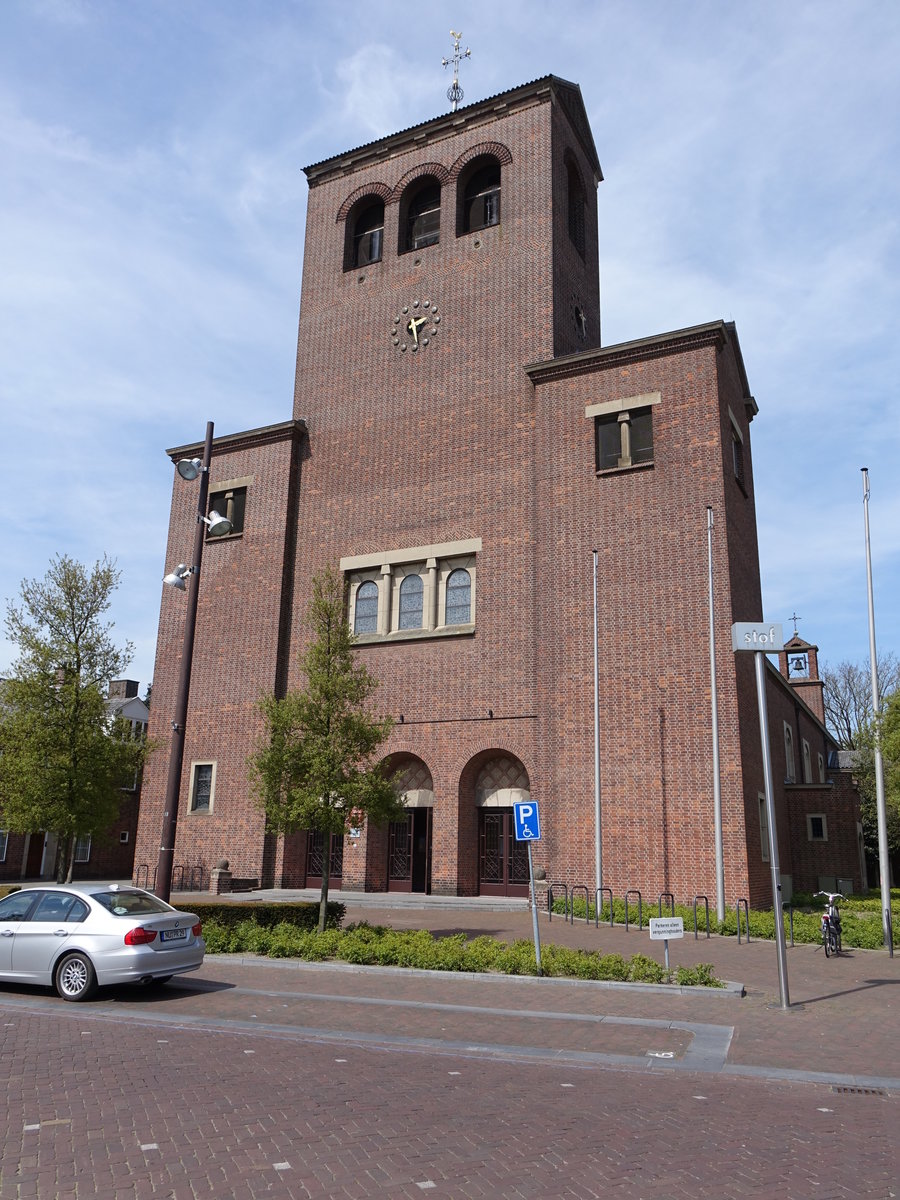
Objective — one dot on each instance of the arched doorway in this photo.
(409, 841)
(502, 861)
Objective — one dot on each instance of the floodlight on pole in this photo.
(188, 469)
(177, 577)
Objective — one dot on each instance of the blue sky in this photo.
(151, 238)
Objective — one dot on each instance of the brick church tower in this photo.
(461, 444)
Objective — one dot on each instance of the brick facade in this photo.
(475, 451)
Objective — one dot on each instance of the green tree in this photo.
(63, 760)
(319, 766)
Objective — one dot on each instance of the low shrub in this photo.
(373, 945)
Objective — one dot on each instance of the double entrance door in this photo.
(409, 852)
(502, 861)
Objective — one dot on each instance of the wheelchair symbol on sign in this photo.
(527, 821)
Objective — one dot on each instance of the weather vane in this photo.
(454, 91)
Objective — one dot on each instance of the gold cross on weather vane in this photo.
(454, 91)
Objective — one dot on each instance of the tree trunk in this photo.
(323, 899)
(62, 858)
(70, 855)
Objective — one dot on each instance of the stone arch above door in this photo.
(413, 784)
(502, 782)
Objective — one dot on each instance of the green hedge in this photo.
(380, 946)
(266, 916)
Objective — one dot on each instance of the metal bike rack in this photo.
(634, 892)
(178, 873)
(705, 900)
(671, 899)
(580, 887)
(602, 891)
(142, 872)
(737, 909)
(550, 900)
(196, 884)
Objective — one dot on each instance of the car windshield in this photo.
(131, 904)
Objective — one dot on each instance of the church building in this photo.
(462, 443)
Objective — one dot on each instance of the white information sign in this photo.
(663, 928)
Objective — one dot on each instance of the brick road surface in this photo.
(258, 1079)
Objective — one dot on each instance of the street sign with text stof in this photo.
(765, 636)
(528, 821)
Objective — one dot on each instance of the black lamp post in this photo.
(188, 469)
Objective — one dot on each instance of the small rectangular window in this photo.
(817, 827)
(202, 787)
(624, 439)
(4, 840)
(123, 837)
(807, 763)
(83, 848)
(230, 504)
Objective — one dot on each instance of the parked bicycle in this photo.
(831, 923)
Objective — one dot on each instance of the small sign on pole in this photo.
(663, 928)
(527, 820)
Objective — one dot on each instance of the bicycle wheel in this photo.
(833, 940)
(826, 941)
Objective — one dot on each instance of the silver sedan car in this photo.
(77, 937)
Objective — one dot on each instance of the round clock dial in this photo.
(415, 326)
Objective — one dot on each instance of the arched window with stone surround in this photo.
(365, 618)
(412, 593)
(459, 598)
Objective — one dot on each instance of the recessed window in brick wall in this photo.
(231, 503)
(817, 827)
(83, 848)
(203, 780)
(428, 591)
(481, 195)
(367, 235)
(420, 215)
(575, 207)
(807, 763)
(623, 432)
(821, 762)
(4, 841)
(790, 770)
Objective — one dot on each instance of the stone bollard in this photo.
(220, 878)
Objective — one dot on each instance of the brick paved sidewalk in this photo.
(843, 1010)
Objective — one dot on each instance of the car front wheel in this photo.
(76, 978)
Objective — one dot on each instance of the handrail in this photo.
(580, 887)
(705, 900)
(598, 905)
(550, 900)
(737, 909)
(634, 892)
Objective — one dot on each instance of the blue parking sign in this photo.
(528, 821)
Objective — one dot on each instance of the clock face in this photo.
(415, 326)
